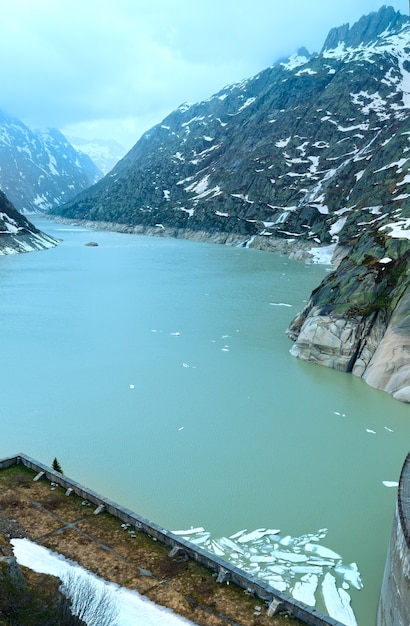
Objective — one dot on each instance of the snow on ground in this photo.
(399, 230)
(323, 255)
(134, 609)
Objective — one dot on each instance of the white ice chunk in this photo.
(225, 541)
(321, 562)
(190, 531)
(238, 534)
(286, 541)
(217, 548)
(259, 558)
(350, 573)
(201, 539)
(277, 569)
(326, 553)
(305, 589)
(307, 569)
(280, 586)
(337, 602)
(289, 556)
(257, 534)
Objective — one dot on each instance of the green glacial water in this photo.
(158, 372)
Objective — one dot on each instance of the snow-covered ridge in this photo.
(40, 169)
(317, 132)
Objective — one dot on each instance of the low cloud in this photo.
(119, 67)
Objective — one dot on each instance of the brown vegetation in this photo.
(43, 513)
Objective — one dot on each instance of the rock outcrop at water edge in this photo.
(358, 319)
(17, 234)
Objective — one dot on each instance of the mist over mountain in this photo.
(311, 152)
(104, 153)
(40, 169)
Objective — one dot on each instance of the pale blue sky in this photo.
(114, 68)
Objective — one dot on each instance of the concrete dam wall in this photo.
(394, 605)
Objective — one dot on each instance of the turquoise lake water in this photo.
(158, 372)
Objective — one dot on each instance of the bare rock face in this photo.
(328, 340)
(389, 368)
(10, 572)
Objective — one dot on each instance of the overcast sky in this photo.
(111, 69)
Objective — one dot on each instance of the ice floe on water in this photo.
(300, 566)
(337, 601)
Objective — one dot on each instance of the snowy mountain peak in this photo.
(367, 30)
(40, 169)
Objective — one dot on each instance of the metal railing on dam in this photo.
(394, 604)
(226, 572)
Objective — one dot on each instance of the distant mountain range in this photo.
(104, 153)
(40, 169)
(313, 151)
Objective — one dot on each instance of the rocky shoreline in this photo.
(296, 249)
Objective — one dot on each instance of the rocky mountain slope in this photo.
(17, 234)
(313, 151)
(40, 169)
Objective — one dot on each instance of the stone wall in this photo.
(226, 572)
(394, 605)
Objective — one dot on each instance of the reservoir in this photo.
(158, 372)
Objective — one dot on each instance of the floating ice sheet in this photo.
(257, 534)
(350, 574)
(298, 565)
(322, 551)
(305, 589)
